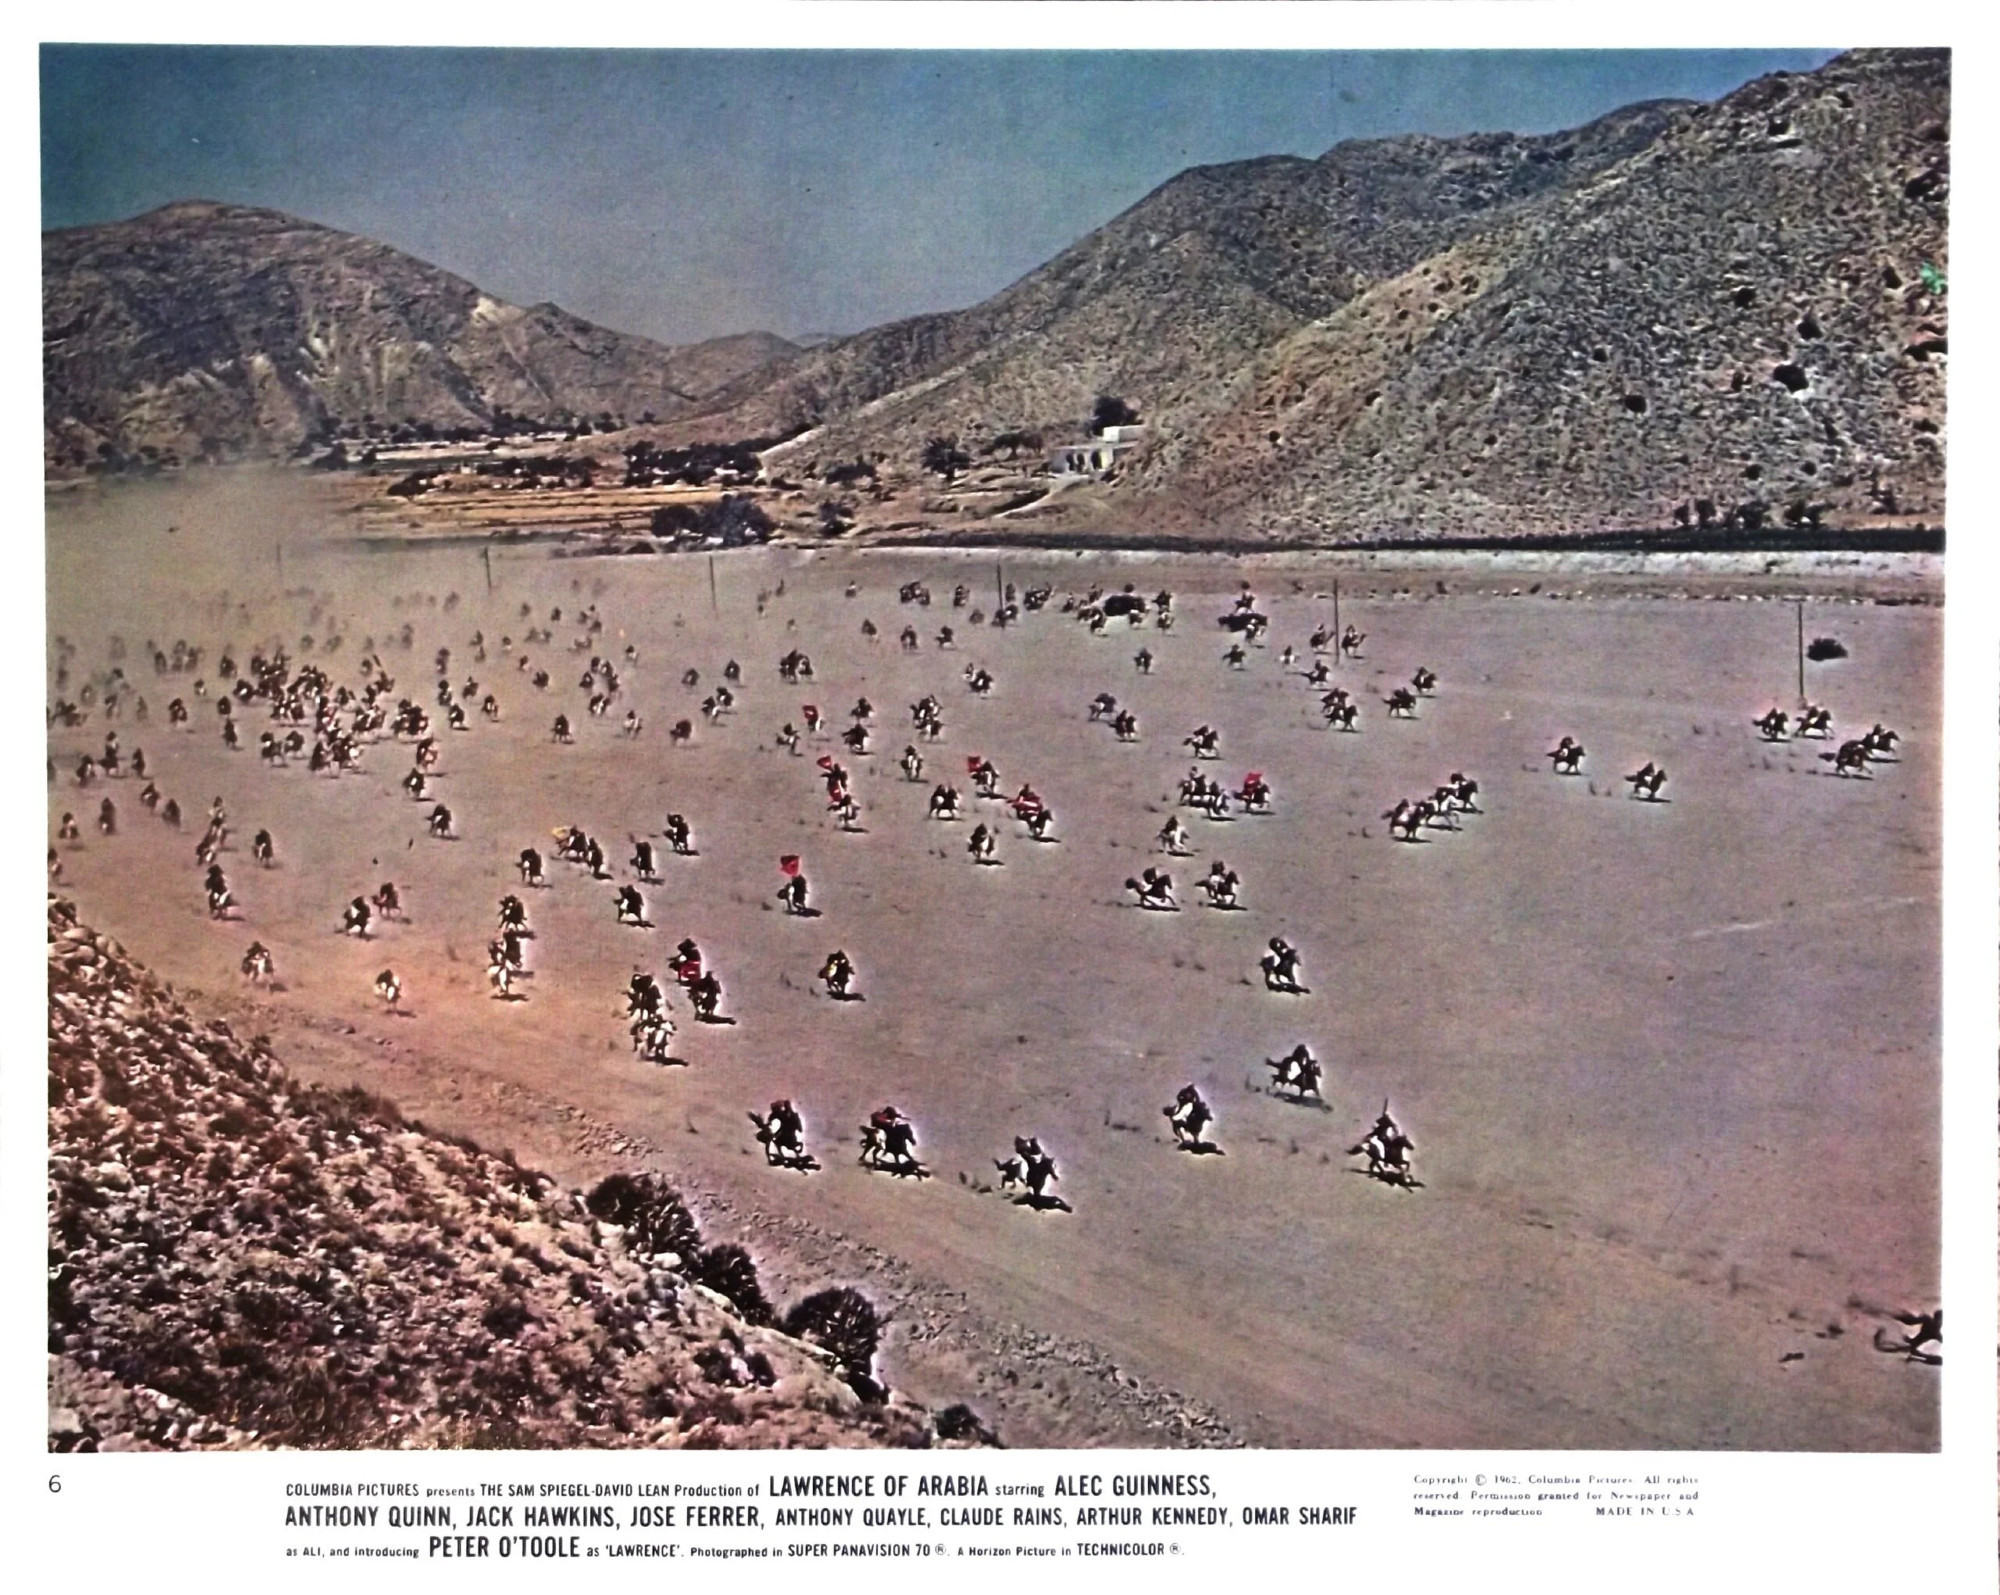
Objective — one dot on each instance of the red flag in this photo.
(1253, 777)
(972, 764)
(825, 761)
(789, 864)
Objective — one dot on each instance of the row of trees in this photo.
(647, 465)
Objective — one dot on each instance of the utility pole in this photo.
(1336, 620)
(486, 555)
(711, 585)
(1802, 652)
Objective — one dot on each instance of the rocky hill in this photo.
(238, 1260)
(207, 331)
(1728, 317)
(1731, 312)
(1171, 298)
(1743, 323)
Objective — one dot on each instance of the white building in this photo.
(1097, 456)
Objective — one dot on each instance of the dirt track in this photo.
(1672, 1070)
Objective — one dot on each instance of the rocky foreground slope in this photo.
(209, 331)
(238, 1260)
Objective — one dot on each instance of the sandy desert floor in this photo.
(1672, 1069)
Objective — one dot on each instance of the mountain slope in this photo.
(1178, 291)
(1733, 323)
(1731, 312)
(213, 329)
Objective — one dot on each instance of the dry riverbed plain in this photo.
(1672, 1069)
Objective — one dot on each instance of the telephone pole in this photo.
(1802, 652)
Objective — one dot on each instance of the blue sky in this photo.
(686, 194)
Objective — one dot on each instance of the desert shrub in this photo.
(650, 1211)
(731, 519)
(730, 1271)
(960, 1422)
(943, 457)
(842, 1322)
(1110, 410)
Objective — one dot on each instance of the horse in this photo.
(705, 992)
(1880, 742)
(652, 1038)
(944, 803)
(1404, 820)
(257, 966)
(1647, 781)
(1297, 1072)
(1033, 1169)
(1567, 756)
(1402, 704)
(888, 1144)
(631, 907)
(1280, 965)
(838, 973)
(1773, 725)
(1388, 1151)
(1255, 794)
(1926, 1329)
(1850, 758)
(1155, 889)
(1219, 885)
(1190, 1116)
(782, 1135)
